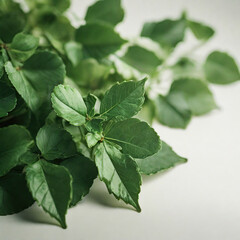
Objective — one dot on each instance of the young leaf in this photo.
(168, 33)
(68, 104)
(172, 110)
(15, 196)
(50, 186)
(92, 139)
(74, 52)
(200, 31)
(8, 99)
(83, 172)
(54, 142)
(119, 173)
(109, 11)
(196, 93)
(142, 59)
(99, 39)
(123, 100)
(23, 46)
(220, 68)
(14, 142)
(140, 143)
(164, 159)
(90, 101)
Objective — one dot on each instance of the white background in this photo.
(198, 200)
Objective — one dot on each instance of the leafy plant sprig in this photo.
(53, 141)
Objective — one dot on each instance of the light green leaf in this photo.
(50, 186)
(35, 80)
(200, 30)
(172, 110)
(92, 139)
(54, 142)
(142, 59)
(123, 100)
(74, 52)
(220, 68)
(15, 196)
(68, 104)
(196, 93)
(99, 39)
(83, 172)
(164, 159)
(14, 142)
(168, 33)
(23, 46)
(119, 173)
(109, 11)
(8, 99)
(136, 138)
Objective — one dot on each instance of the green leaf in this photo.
(14, 141)
(99, 39)
(123, 100)
(14, 193)
(220, 68)
(83, 172)
(142, 59)
(119, 173)
(92, 139)
(50, 186)
(196, 93)
(35, 80)
(172, 110)
(54, 142)
(90, 101)
(164, 159)
(136, 138)
(8, 99)
(200, 31)
(1, 66)
(68, 104)
(168, 33)
(23, 46)
(109, 11)
(74, 52)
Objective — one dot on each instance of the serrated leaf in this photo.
(196, 93)
(23, 46)
(83, 172)
(119, 173)
(221, 68)
(8, 99)
(136, 138)
(142, 59)
(109, 11)
(50, 186)
(35, 80)
(168, 33)
(99, 39)
(123, 100)
(164, 159)
(68, 104)
(14, 142)
(172, 110)
(14, 193)
(200, 30)
(55, 143)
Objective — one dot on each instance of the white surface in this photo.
(198, 200)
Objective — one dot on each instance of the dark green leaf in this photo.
(164, 159)
(90, 102)
(123, 100)
(83, 172)
(68, 104)
(14, 193)
(1, 66)
(220, 68)
(99, 39)
(136, 138)
(119, 173)
(109, 11)
(50, 186)
(142, 59)
(14, 142)
(54, 142)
